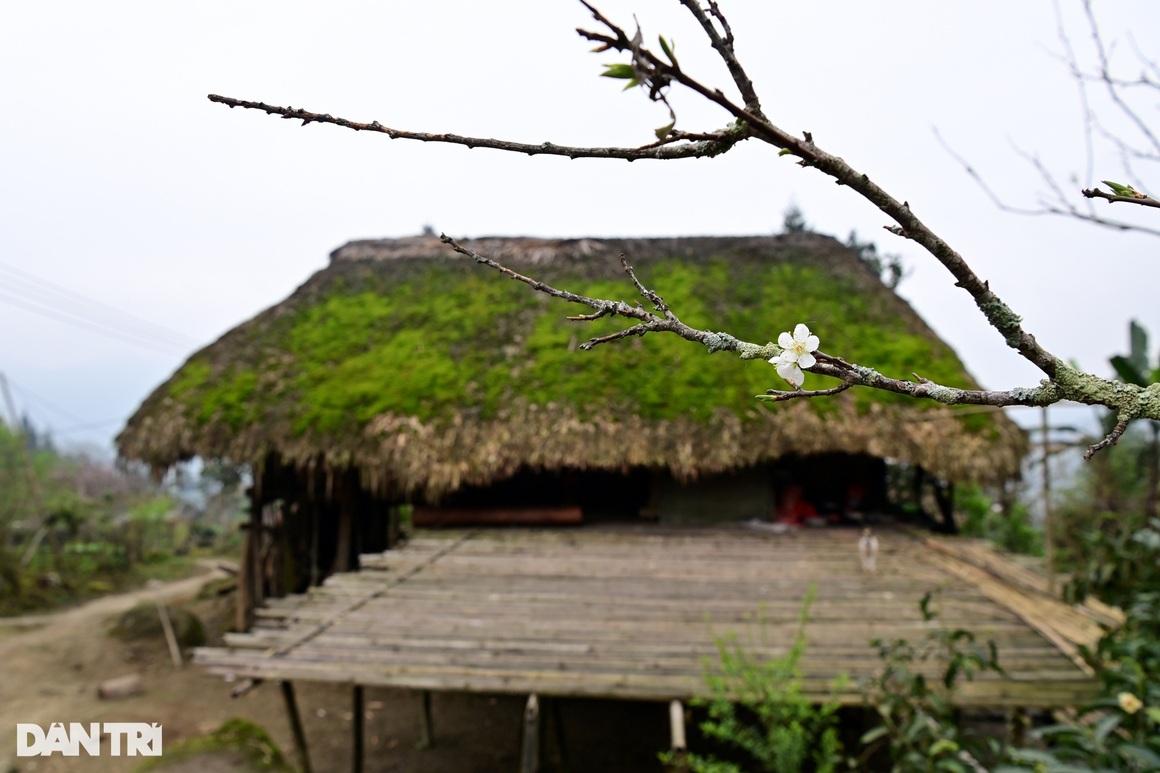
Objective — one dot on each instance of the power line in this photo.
(48, 288)
(92, 425)
(81, 323)
(50, 299)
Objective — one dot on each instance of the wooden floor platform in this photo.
(634, 612)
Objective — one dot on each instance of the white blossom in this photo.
(796, 353)
(1129, 702)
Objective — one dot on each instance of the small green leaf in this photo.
(663, 131)
(622, 71)
(785, 152)
(1147, 758)
(1106, 726)
(943, 745)
(871, 736)
(1127, 371)
(668, 49)
(928, 614)
(1153, 713)
(1138, 348)
(1121, 190)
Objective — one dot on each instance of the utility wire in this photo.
(95, 328)
(44, 297)
(48, 289)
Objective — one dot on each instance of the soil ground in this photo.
(51, 665)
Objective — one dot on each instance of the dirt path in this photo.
(51, 665)
(99, 609)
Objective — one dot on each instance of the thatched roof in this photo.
(429, 372)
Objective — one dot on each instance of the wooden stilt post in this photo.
(677, 743)
(296, 725)
(343, 544)
(530, 751)
(677, 726)
(559, 754)
(1017, 723)
(245, 580)
(392, 527)
(358, 720)
(426, 736)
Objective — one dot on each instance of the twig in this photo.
(724, 48)
(657, 301)
(998, 314)
(1112, 438)
(777, 396)
(661, 151)
(1142, 200)
(1105, 76)
(1063, 207)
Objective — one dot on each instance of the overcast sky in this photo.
(138, 221)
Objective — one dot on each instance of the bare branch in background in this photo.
(1145, 150)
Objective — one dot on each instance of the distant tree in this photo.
(794, 221)
(887, 266)
(37, 440)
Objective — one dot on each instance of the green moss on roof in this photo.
(459, 337)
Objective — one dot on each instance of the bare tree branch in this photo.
(707, 145)
(997, 313)
(724, 48)
(1142, 200)
(1112, 438)
(1061, 206)
(1064, 203)
(1110, 84)
(777, 396)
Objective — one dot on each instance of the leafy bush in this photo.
(1121, 730)
(757, 708)
(1011, 531)
(919, 728)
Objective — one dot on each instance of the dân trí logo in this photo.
(131, 739)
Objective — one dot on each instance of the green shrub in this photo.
(919, 730)
(757, 709)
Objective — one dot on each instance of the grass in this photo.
(84, 583)
(235, 737)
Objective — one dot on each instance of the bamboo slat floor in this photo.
(634, 613)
